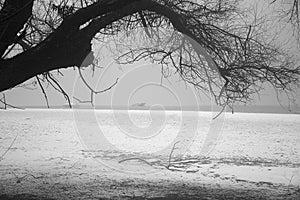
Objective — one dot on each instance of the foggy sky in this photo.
(140, 82)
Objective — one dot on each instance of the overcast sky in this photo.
(141, 82)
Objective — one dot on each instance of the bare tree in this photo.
(289, 12)
(38, 37)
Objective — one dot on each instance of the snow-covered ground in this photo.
(65, 154)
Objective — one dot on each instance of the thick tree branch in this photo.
(13, 16)
(67, 46)
(240, 59)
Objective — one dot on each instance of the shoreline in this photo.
(146, 109)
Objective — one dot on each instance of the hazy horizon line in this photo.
(238, 108)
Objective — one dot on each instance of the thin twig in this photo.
(7, 104)
(171, 153)
(92, 90)
(81, 101)
(42, 88)
(4, 99)
(96, 92)
(61, 90)
(19, 179)
(223, 108)
(136, 158)
(10, 146)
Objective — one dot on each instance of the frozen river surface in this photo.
(127, 154)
